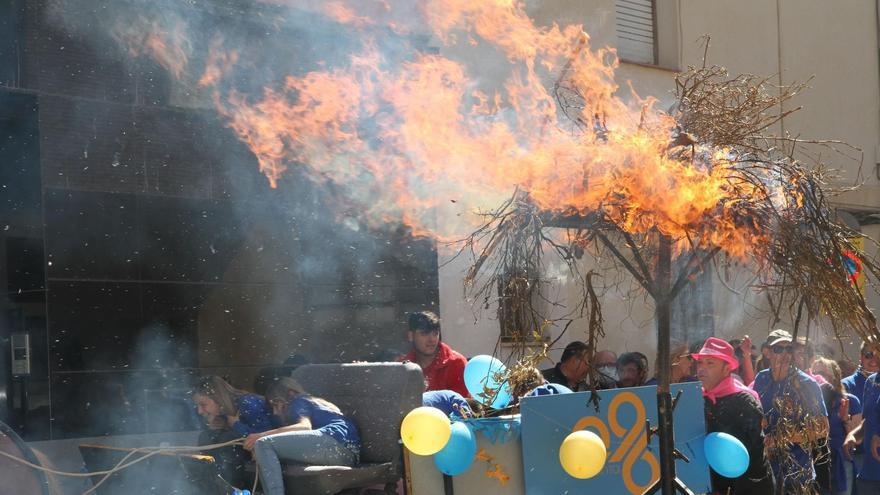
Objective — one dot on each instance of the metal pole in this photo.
(448, 487)
(663, 292)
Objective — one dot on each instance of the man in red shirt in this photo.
(442, 366)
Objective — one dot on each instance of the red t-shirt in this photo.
(446, 371)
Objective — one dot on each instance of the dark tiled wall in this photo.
(166, 254)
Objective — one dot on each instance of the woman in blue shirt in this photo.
(229, 413)
(315, 432)
(844, 413)
(223, 407)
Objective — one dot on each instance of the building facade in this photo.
(832, 46)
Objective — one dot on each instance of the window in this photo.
(636, 28)
(520, 309)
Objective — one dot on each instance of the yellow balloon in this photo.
(582, 454)
(425, 430)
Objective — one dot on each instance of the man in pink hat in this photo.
(733, 408)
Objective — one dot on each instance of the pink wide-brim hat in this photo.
(720, 349)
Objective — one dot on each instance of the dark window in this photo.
(519, 308)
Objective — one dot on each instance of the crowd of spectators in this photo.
(810, 424)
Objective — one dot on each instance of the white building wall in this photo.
(835, 43)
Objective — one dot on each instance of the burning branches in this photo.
(807, 256)
(705, 179)
(508, 253)
(714, 187)
(796, 429)
(727, 112)
(423, 135)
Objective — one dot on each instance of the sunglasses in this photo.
(868, 355)
(779, 349)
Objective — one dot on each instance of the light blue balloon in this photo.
(479, 373)
(726, 455)
(458, 454)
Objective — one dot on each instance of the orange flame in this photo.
(218, 63)
(165, 42)
(343, 14)
(428, 141)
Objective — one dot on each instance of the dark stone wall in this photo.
(141, 246)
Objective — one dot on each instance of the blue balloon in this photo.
(458, 454)
(726, 454)
(479, 374)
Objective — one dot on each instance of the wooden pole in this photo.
(663, 291)
(662, 314)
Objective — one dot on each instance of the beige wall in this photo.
(835, 43)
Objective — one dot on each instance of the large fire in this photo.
(424, 139)
(165, 42)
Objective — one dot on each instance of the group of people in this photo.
(286, 424)
(810, 424)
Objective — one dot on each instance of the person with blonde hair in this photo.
(315, 432)
(229, 413)
(226, 407)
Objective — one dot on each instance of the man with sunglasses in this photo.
(802, 357)
(869, 363)
(866, 457)
(794, 415)
(764, 361)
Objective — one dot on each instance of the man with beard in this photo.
(442, 366)
(632, 369)
(733, 408)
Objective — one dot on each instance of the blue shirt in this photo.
(794, 399)
(254, 415)
(325, 420)
(549, 389)
(448, 401)
(870, 469)
(836, 436)
(855, 384)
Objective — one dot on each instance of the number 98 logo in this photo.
(633, 447)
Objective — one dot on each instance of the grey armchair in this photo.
(376, 396)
